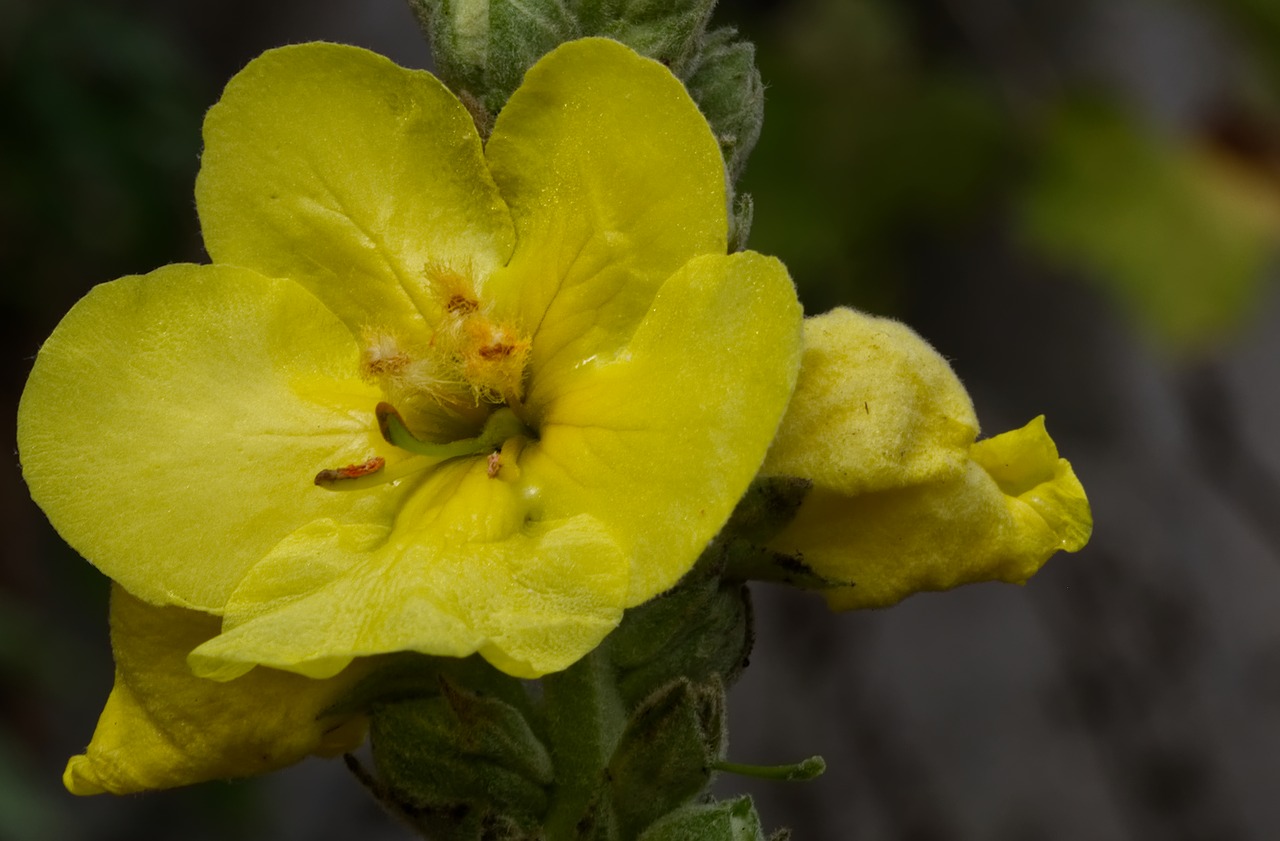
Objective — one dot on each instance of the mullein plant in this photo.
(471, 435)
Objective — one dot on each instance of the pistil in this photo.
(501, 426)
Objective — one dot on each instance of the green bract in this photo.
(556, 303)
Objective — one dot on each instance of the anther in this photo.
(332, 476)
(461, 305)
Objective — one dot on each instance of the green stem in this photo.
(585, 718)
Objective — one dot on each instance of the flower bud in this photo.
(726, 820)
(665, 755)
(459, 752)
(903, 499)
(727, 87)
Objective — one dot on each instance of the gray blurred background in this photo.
(1076, 201)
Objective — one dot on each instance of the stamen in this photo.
(326, 478)
(382, 357)
(460, 304)
(389, 475)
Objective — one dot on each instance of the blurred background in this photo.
(1076, 201)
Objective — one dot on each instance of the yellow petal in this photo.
(639, 462)
(660, 440)
(163, 727)
(998, 525)
(1025, 464)
(466, 569)
(332, 166)
(614, 181)
(875, 408)
(173, 425)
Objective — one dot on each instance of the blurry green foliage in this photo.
(869, 142)
(1162, 225)
(899, 129)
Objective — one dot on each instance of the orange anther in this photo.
(351, 471)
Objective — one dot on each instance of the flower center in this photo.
(455, 392)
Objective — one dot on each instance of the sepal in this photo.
(700, 630)
(665, 756)
(482, 49)
(461, 764)
(727, 820)
(727, 87)
(663, 30)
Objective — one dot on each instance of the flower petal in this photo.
(173, 425)
(465, 569)
(163, 727)
(998, 525)
(660, 440)
(614, 181)
(875, 408)
(333, 166)
(1025, 464)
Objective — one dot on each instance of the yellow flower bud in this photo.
(903, 498)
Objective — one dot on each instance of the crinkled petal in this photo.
(333, 166)
(1025, 464)
(468, 567)
(660, 440)
(163, 727)
(1015, 505)
(614, 182)
(875, 408)
(174, 423)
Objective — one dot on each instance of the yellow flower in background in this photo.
(903, 499)
(162, 727)
(431, 395)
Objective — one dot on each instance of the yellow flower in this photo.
(431, 395)
(162, 727)
(903, 499)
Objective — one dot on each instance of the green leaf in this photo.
(728, 820)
